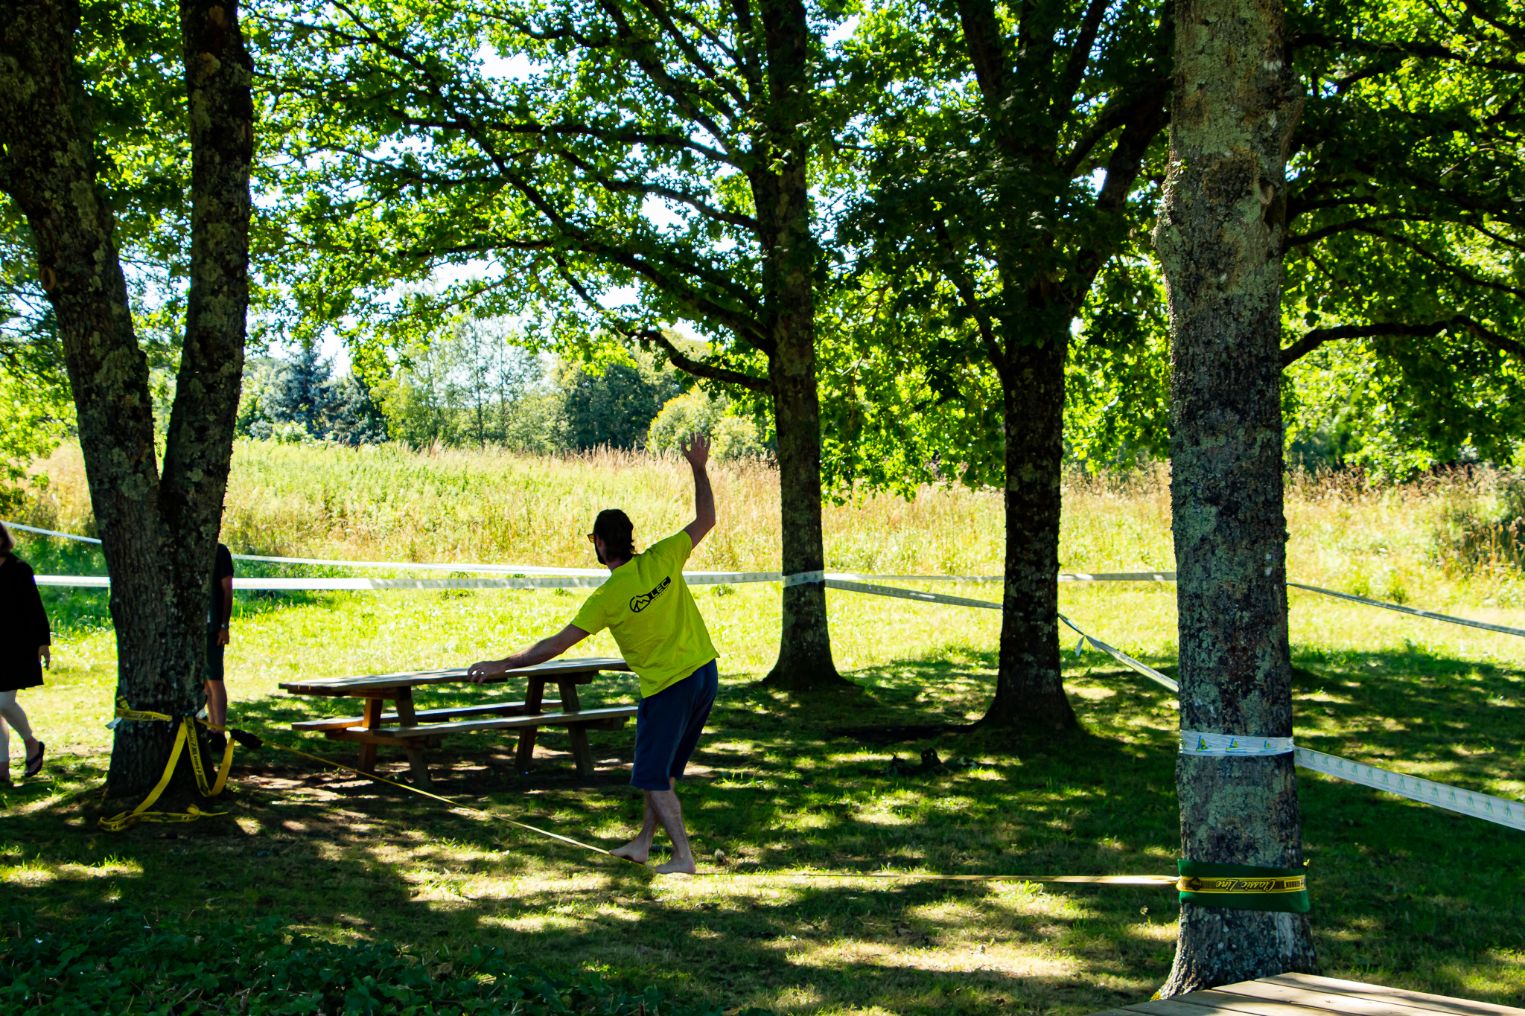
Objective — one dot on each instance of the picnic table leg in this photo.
(372, 721)
(577, 733)
(415, 748)
(534, 694)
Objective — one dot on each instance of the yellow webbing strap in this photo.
(185, 735)
(1242, 884)
(1164, 881)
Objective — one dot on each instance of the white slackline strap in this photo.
(356, 584)
(1168, 683)
(1505, 629)
(1491, 809)
(851, 586)
(1200, 742)
(1500, 810)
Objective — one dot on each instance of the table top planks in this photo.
(374, 683)
(1311, 995)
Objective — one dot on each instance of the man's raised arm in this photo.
(697, 451)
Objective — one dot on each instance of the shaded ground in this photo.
(784, 786)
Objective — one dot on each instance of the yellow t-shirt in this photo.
(648, 609)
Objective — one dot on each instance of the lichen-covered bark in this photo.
(1030, 693)
(789, 255)
(1220, 239)
(804, 654)
(158, 537)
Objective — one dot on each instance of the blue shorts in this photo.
(668, 725)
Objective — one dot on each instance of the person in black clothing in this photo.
(25, 647)
(219, 612)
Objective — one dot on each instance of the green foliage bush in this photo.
(612, 404)
(123, 961)
(731, 437)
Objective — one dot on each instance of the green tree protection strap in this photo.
(1243, 887)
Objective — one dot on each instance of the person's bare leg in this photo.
(670, 814)
(217, 703)
(639, 849)
(15, 716)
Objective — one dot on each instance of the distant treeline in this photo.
(472, 388)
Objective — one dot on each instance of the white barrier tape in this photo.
(802, 577)
(1500, 810)
(291, 585)
(1123, 658)
(1200, 742)
(832, 582)
(794, 579)
(1411, 610)
(50, 532)
(73, 581)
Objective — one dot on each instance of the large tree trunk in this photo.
(804, 654)
(1220, 240)
(789, 253)
(1029, 693)
(158, 537)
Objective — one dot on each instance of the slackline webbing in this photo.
(1489, 808)
(186, 741)
(1122, 881)
(524, 576)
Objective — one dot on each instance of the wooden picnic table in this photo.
(415, 730)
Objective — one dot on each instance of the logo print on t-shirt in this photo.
(640, 603)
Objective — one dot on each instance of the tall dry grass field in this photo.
(1444, 541)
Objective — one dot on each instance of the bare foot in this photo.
(676, 867)
(635, 851)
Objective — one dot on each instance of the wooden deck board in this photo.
(1311, 995)
(1396, 996)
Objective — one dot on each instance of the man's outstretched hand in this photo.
(696, 449)
(487, 669)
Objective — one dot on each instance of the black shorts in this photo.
(214, 660)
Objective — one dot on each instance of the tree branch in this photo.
(699, 368)
(1461, 322)
(964, 286)
(1080, 55)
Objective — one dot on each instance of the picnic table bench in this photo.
(415, 730)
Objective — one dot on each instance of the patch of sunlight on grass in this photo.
(1357, 929)
(536, 923)
(1093, 693)
(1012, 961)
(1163, 931)
(28, 875)
(882, 813)
(795, 997)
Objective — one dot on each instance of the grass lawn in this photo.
(313, 864)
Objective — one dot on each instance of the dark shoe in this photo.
(34, 762)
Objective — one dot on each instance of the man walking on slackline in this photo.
(647, 607)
